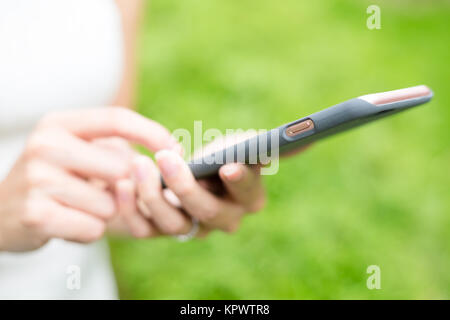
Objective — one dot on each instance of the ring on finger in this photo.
(191, 234)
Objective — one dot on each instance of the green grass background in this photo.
(377, 195)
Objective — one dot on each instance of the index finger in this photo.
(114, 122)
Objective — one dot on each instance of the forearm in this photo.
(131, 12)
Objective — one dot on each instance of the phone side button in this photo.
(298, 128)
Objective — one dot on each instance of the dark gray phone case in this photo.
(335, 119)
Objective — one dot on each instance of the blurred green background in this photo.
(379, 195)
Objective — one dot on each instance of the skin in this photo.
(157, 212)
(49, 193)
(78, 176)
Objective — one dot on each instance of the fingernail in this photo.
(175, 146)
(178, 149)
(232, 172)
(123, 195)
(107, 206)
(141, 168)
(167, 163)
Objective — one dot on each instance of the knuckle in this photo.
(121, 170)
(42, 142)
(185, 190)
(177, 226)
(38, 242)
(32, 220)
(138, 234)
(94, 233)
(232, 227)
(33, 217)
(108, 212)
(151, 196)
(116, 116)
(258, 205)
(35, 144)
(33, 175)
(208, 213)
(117, 144)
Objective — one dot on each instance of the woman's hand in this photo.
(218, 203)
(49, 194)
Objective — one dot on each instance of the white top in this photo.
(55, 54)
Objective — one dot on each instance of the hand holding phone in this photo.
(319, 125)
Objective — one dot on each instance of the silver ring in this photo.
(191, 234)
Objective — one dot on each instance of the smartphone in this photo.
(319, 125)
